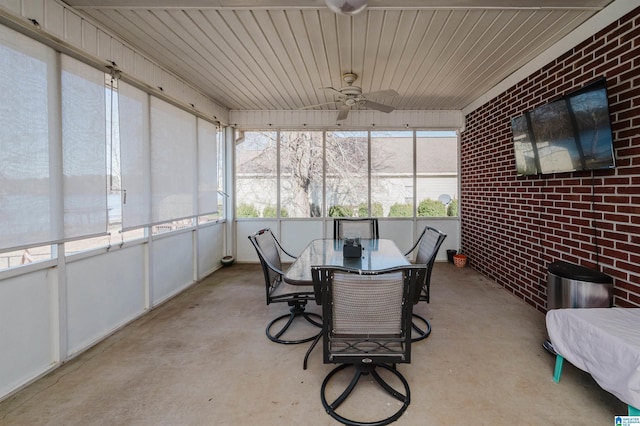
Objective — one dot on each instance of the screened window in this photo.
(392, 174)
(28, 180)
(135, 151)
(437, 173)
(347, 174)
(83, 149)
(301, 174)
(173, 160)
(222, 156)
(256, 174)
(116, 196)
(207, 168)
(400, 173)
(85, 163)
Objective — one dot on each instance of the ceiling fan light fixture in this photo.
(347, 7)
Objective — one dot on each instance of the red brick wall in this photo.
(514, 227)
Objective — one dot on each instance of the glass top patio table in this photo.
(377, 254)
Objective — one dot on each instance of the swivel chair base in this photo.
(362, 370)
(296, 310)
(423, 331)
(313, 345)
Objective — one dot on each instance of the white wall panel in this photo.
(27, 326)
(73, 28)
(104, 45)
(139, 66)
(402, 232)
(156, 76)
(116, 54)
(128, 58)
(90, 38)
(172, 265)
(210, 248)
(54, 18)
(33, 9)
(104, 293)
(12, 6)
(357, 119)
(147, 73)
(297, 234)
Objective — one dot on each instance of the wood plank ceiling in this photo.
(279, 54)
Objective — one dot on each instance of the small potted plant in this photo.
(460, 260)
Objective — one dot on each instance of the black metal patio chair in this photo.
(362, 227)
(278, 291)
(366, 328)
(427, 246)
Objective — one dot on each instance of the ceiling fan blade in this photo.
(332, 89)
(344, 112)
(389, 92)
(319, 105)
(377, 106)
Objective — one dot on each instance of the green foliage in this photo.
(247, 210)
(363, 210)
(401, 210)
(430, 208)
(377, 208)
(340, 211)
(269, 211)
(452, 208)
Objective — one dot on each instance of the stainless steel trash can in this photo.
(574, 286)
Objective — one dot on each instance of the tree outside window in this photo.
(347, 174)
(353, 187)
(301, 174)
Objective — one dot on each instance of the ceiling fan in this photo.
(350, 96)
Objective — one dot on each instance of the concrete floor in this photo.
(203, 359)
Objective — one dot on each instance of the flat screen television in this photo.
(570, 134)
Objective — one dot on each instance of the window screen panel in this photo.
(173, 162)
(207, 168)
(83, 149)
(27, 180)
(347, 183)
(133, 106)
(256, 179)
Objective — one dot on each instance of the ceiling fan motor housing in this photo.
(350, 89)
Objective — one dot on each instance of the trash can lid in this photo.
(580, 273)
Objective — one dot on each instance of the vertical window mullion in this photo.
(415, 176)
(278, 180)
(370, 205)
